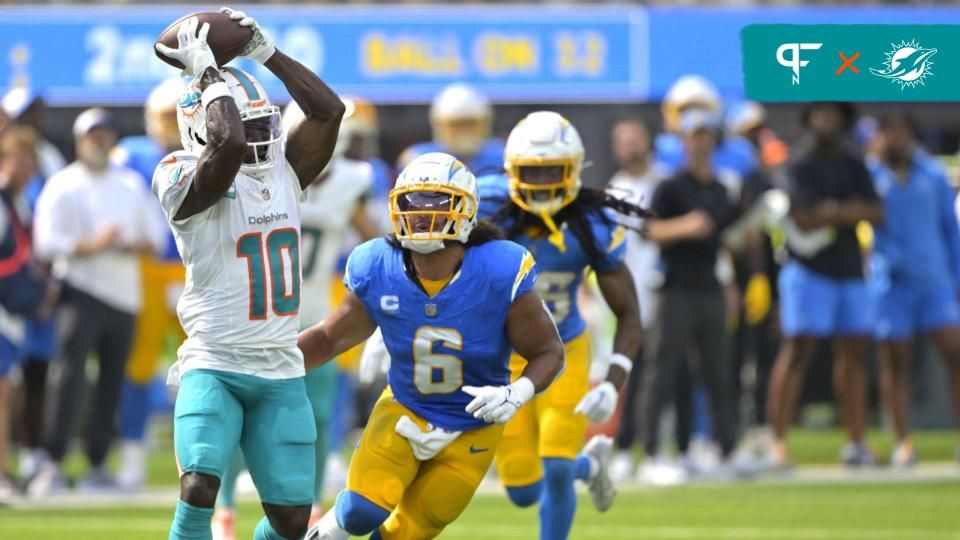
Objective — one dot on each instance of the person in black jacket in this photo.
(24, 290)
(692, 209)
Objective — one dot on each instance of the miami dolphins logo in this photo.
(907, 64)
(190, 102)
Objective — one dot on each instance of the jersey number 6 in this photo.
(282, 245)
(435, 373)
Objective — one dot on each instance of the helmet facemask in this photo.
(264, 134)
(426, 215)
(543, 186)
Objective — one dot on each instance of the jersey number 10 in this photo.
(285, 293)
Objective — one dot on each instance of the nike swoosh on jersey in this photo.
(477, 450)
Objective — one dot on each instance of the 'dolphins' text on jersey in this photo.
(242, 295)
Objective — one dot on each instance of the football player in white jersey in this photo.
(232, 198)
(328, 211)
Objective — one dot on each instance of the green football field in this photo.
(923, 511)
(827, 504)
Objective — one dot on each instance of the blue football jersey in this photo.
(560, 273)
(143, 154)
(457, 337)
(488, 160)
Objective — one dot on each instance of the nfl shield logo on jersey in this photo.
(266, 194)
(430, 310)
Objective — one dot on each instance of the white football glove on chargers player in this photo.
(599, 403)
(425, 444)
(498, 404)
(260, 47)
(192, 50)
(375, 359)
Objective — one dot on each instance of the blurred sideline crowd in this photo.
(760, 250)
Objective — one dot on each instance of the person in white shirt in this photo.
(93, 220)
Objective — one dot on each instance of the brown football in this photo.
(226, 37)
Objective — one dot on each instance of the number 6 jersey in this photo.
(240, 307)
(439, 343)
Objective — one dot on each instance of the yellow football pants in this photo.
(424, 497)
(546, 426)
(155, 319)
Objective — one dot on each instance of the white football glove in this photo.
(260, 47)
(599, 403)
(375, 359)
(192, 50)
(498, 404)
(425, 444)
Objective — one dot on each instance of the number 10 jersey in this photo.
(241, 304)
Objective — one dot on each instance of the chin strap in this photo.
(556, 235)
(422, 246)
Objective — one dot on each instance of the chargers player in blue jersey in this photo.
(540, 204)
(462, 120)
(452, 298)
(916, 270)
(162, 277)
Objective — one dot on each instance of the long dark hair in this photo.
(588, 201)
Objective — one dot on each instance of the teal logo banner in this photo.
(868, 62)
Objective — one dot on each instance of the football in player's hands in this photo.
(226, 38)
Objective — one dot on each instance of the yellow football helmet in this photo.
(462, 119)
(160, 113)
(435, 199)
(689, 91)
(360, 116)
(543, 159)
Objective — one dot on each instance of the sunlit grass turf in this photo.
(735, 511)
(925, 511)
(808, 447)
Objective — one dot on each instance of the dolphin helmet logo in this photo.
(907, 64)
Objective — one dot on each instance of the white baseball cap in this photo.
(17, 100)
(90, 119)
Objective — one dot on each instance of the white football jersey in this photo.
(240, 307)
(326, 212)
